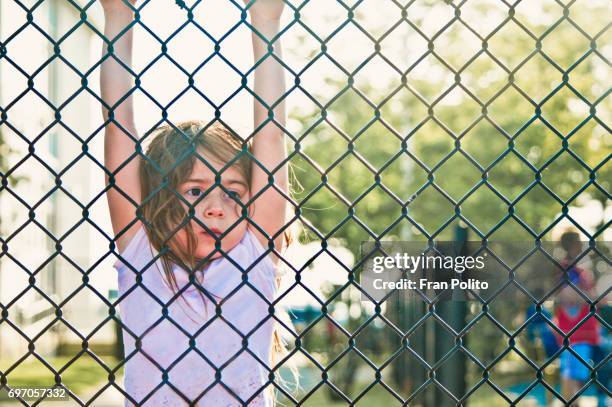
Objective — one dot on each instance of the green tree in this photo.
(507, 162)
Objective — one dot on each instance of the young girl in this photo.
(196, 267)
(572, 316)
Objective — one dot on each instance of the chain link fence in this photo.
(440, 152)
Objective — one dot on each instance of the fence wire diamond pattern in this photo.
(484, 31)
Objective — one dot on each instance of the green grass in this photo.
(485, 396)
(378, 396)
(83, 373)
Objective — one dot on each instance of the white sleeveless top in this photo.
(216, 343)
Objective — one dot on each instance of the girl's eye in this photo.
(233, 194)
(194, 192)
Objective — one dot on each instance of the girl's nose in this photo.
(213, 212)
(212, 207)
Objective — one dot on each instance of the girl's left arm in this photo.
(269, 141)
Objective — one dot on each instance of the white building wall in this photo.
(57, 212)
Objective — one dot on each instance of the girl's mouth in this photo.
(215, 232)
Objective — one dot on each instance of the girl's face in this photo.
(217, 210)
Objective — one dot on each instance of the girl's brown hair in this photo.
(168, 161)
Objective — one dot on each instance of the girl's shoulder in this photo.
(136, 251)
(260, 254)
(249, 252)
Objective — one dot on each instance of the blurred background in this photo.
(475, 119)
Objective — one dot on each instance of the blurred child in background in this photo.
(572, 317)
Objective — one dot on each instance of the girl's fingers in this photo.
(117, 4)
(268, 9)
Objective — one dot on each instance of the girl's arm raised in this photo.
(269, 141)
(120, 136)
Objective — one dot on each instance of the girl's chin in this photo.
(206, 252)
